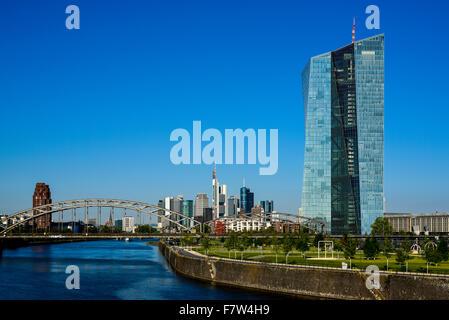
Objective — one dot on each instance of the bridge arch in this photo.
(146, 208)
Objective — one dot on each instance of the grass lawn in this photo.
(416, 264)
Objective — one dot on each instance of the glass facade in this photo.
(369, 74)
(267, 205)
(246, 199)
(316, 187)
(187, 210)
(343, 159)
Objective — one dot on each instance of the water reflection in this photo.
(108, 270)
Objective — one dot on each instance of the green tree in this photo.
(206, 243)
(406, 246)
(146, 228)
(371, 248)
(243, 243)
(318, 237)
(276, 245)
(381, 227)
(349, 246)
(387, 248)
(258, 241)
(92, 229)
(267, 241)
(401, 256)
(287, 245)
(302, 243)
(443, 250)
(186, 241)
(231, 242)
(432, 255)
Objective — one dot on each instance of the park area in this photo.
(428, 256)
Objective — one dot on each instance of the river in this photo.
(109, 269)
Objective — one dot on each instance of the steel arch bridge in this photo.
(21, 217)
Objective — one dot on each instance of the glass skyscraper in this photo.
(343, 94)
(246, 199)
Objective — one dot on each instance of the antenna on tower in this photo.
(353, 31)
(243, 181)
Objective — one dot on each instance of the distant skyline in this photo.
(90, 111)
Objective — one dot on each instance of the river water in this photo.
(108, 270)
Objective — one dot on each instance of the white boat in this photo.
(127, 239)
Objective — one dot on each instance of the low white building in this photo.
(243, 224)
(128, 224)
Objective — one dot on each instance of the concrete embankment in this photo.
(329, 283)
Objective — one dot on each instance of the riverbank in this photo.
(316, 282)
(13, 243)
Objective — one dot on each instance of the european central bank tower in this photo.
(343, 94)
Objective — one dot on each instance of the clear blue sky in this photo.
(90, 111)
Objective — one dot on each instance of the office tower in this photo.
(118, 224)
(267, 205)
(246, 198)
(187, 210)
(128, 224)
(343, 93)
(160, 204)
(219, 196)
(41, 196)
(201, 202)
(233, 204)
(215, 193)
(222, 201)
(207, 214)
(173, 204)
(167, 205)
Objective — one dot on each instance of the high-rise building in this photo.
(233, 205)
(215, 193)
(41, 196)
(267, 205)
(118, 224)
(201, 202)
(128, 224)
(160, 204)
(187, 210)
(343, 93)
(219, 196)
(173, 204)
(246, 198)
(222, 200)
(207, 214)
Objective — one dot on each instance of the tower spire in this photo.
(214, 173)
(353, 31)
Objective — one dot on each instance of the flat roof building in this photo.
(430, 222)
